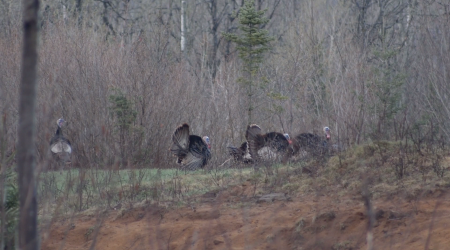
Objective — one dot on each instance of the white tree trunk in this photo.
(183, 26)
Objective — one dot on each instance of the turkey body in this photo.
(240, 154)
(269, 146)
(192, 151)
(312, 143)
(60, 146)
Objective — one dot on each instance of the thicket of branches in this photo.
(369, 70)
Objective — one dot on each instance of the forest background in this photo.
(370, 70)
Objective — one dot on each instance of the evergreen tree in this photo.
(251, 44)
(125, 115)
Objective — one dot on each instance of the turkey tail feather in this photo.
(192, 152)
(180, 139)
(254, 139)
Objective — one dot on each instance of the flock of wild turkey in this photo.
(193, 152)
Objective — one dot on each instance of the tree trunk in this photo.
(183, 28)
(28, 234)
(3, 145)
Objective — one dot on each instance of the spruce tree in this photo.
(252, 43)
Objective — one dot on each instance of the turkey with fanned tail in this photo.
(269, 146)
(60, 146)
(192, 151)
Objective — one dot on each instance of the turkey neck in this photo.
(58, 131)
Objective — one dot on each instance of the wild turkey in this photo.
(192, 151)
(311, 143)
(240, 154)
(265, 146)
(59, 145)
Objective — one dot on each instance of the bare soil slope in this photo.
(232, 219)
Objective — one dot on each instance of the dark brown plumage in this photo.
(240, 154)
(267, 146)
(312, 143)
(192, 151)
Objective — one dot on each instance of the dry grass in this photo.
(319, 66)
(63, 194)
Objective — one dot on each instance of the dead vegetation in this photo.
(124, 189)
(117, 77)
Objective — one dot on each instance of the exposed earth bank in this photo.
(233, 219)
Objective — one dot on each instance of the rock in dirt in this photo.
(274, 197)
(217, 242)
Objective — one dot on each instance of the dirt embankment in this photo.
(232, 220)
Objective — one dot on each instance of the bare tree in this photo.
(28, 234)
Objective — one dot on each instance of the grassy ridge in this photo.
(341, 174)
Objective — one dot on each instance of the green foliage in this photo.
(11, 206)
(387, 90)
(251, 44)
(125, 115)
(277, 100)
(122, 110)
(277, 96)
(254, 41)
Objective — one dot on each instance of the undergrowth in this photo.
(63, 193)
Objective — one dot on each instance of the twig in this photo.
(100, 222)
(225, 162)
(370, 216)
